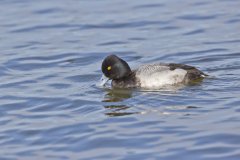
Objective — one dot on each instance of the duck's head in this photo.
(115, 68)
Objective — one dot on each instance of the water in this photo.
(51, 53)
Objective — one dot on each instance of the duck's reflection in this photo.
(117, 95)
(118, 110)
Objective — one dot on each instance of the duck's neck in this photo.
(129, 81)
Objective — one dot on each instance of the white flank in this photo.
(157, 75)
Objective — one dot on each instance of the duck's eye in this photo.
(109, 68)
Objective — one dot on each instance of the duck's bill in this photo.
(103, 80)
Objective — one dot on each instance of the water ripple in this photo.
(51, 55)
(90, 26)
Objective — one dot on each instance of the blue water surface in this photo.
(51, 55)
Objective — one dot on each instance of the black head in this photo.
(115, 68)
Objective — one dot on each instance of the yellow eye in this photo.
(109, 68)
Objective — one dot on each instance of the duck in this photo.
(149, 75)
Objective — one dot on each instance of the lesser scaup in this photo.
(147, 76)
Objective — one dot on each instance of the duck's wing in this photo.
(174, 66)
(159, 75)
(192, 72)
(152, 68)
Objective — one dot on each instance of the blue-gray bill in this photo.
(103, 80)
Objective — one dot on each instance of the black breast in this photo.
(129, 81)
